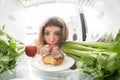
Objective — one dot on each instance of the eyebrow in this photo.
(58, 31)
(55, 31)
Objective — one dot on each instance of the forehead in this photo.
(52, 28)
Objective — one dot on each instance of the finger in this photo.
(55, 48)
(56, 51)
(44, 53)
(47, 47)
(52, 46)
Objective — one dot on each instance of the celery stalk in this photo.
(79, 47)
(76, 58)
(78, 52)
(100, 45)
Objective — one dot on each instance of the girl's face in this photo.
(52, 35)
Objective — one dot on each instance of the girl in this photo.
(52, 34)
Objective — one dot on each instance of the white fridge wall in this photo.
(17, 18)
(34, 16)
(14, 25)
(103, 16)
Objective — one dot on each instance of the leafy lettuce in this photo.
(10, 50)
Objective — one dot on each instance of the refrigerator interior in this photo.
(89, 19)
(100, 16)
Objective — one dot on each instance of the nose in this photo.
(51, 38)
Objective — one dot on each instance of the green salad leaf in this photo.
(10, 50)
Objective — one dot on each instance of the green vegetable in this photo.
(76, 58)
(98, 45)
(10, 50)
(117, 36)
(100, 59)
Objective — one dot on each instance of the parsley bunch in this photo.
(10, 50)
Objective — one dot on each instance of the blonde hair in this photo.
(53, 21)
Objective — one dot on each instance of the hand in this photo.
(45, 50)
(55, 50)
(57, 53)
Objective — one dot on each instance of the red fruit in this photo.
(30, 50)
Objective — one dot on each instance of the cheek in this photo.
(57, 40)
(46, 38)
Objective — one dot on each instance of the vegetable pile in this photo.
(100, 59)
(10, 50)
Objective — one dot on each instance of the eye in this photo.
(46, 33)
(58, 34)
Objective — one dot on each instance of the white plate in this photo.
(38, 64)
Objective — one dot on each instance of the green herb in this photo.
(10, 50)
